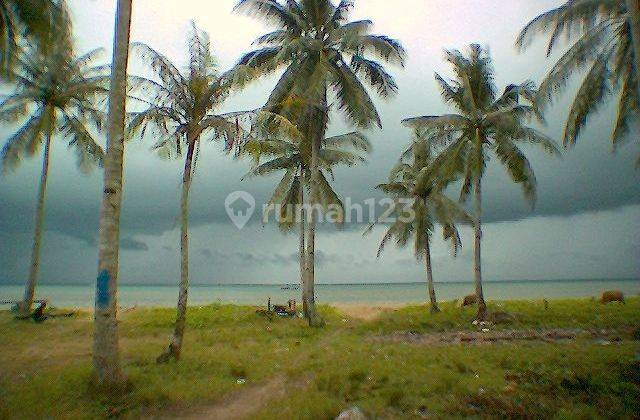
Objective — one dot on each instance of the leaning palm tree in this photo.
(107, 371)
(416, 214)
(32, 21)
(607, 49)
(288, 151)
(55, 97)
(183, 108)
(321, 52)
(487, 124)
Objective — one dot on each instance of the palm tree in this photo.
(289, 151)
(34, 20)
(55, 96)
(321, 51)
(487, 124)
(607, 48)
(416, 215)
(183, 107)
(106, 354)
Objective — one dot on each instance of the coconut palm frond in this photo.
(375, 75)
(600, 48)
(89, 153)
(353, 99)
(591, 95)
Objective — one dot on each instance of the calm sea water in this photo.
(129, 296)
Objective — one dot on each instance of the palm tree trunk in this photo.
(432, 290)
(106, 356)
(175, 347)
(318, 135)
(482, 307)
(633, 8)
(303, 256)
(309, 269)
(30, 287)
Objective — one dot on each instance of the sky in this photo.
(586, 222)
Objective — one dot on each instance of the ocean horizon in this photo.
(132, 295)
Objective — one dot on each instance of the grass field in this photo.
(236, 363)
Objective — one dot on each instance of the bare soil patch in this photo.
(607, 336)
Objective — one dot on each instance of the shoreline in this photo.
(360, 310)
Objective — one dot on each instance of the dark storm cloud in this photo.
(131, 244)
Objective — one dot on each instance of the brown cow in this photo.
(469, 300)
(612, 296)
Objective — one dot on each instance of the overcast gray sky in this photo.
(586, 223)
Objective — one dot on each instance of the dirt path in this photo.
(488, 337)
(245, 402)
(240, 404)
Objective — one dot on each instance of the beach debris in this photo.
(354, 413)
(288, 310)
(38, 315)
(612, 296)
(485, 330)
(545, 302)
(422, 412)
(241, 381)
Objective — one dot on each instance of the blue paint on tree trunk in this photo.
(102, 289)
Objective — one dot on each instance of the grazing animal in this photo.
(500, 317)
(469, 300)
(612, 296)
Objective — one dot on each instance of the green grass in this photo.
(567, 313)
(45, 368)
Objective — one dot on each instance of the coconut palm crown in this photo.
(24, 22)
(291, 155)
(602, 50)
(320, 48)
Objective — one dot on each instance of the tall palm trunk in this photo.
(432, 290)
(303, 256)
(309, 269)
(175, 347)
(633, 8)
(30, 287)
(106, 356)
(316, 140)
(482, 306)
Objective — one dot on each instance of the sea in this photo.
(82, 296)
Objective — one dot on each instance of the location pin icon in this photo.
(240, 206)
